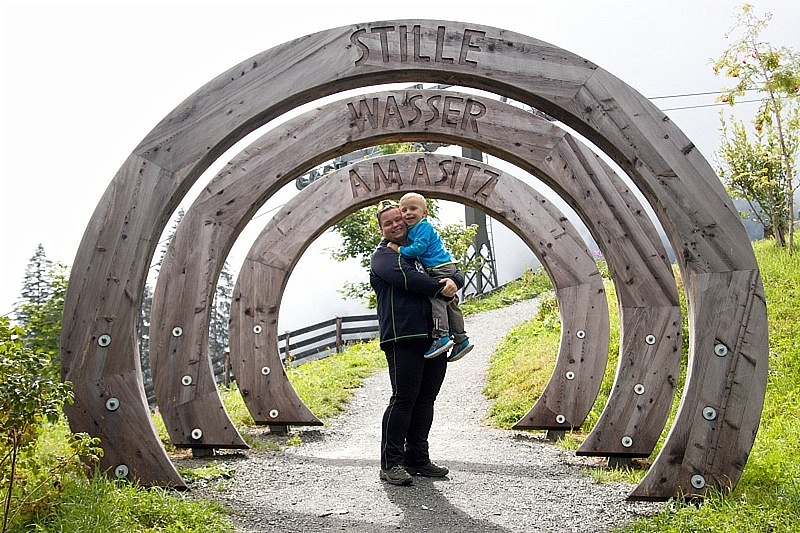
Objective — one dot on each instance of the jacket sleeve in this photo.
(403, 273)
(420, 242)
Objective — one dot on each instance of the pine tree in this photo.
(165, 243)
(43, 320)
(218, 326)
(35, 285)
(143, 334)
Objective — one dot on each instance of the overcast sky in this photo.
(83, 83)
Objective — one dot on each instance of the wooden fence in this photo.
(300, 346)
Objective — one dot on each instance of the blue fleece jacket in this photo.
(403, 293)
(425, 244)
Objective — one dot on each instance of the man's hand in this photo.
(394, 246)
(450, 287)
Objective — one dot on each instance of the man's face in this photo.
(392, 225)
(413, 210)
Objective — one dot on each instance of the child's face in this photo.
(413, 210)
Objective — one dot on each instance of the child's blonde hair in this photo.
(413, 196)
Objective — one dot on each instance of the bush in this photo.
(30, 400)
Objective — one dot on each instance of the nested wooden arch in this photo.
(720, 408)
(650, 350)
(643, 392)
(583, 351)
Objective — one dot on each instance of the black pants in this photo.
(408, 418)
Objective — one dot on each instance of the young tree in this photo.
(753, 171)
(30, 397)
(775, 73)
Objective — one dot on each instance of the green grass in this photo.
(530, 285)
(104, 505)
(326, 385)
(520, 368)
(78, 504)
(767, 497)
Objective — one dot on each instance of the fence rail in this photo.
(336, 332)
(300, 346)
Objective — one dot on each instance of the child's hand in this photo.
(394, 246)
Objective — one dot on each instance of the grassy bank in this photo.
(767, 497)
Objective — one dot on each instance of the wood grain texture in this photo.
(700, 221)
(584, 176)
(544, 228)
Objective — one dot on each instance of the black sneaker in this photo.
(428, 470)
(396, 475)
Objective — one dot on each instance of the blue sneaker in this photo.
(460, 350)
(439, 346)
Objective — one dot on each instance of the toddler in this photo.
(425, 244)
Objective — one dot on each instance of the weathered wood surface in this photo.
(728, 380)
(678, 182)
(578, 174)
(543, 227)
(117, 244)
(265, 388)
(645, 286)
(179, 358)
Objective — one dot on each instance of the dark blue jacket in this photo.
(403, 291)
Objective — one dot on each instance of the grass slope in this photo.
(767, 497)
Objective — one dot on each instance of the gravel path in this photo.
(499, 480)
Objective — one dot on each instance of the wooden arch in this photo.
(544, 228)
(650, 349)
(720, 410)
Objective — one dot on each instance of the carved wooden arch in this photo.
(728, 341)
(639, 405)
(583, 351)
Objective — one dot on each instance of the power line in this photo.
(662, 97)
(706, 93)
(715, 104)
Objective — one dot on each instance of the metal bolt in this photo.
(650, 339)
(570, 375)
(627, 441)
(698, 481)
(273, 413)
(177, 331)
(560, 419)
(121, 471)
(112, 404)
(580, 334)
(265, 370)
(709, 413)
(104, 340)
(186, 380)
(638, 388)
(720, 350)
(257, 329)
(197, 433)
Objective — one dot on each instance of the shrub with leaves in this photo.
(29, 399)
